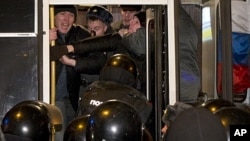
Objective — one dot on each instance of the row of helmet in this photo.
(112, 121)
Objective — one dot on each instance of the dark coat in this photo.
(189, 68)
(90, 63)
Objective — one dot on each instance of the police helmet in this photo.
(231, 116)
(196, 124)
(76, 129)
(30, 120)
(100, 13)
(215, 104)
(114, 120)
(27, 120)
(120, 68)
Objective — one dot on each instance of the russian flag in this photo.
(240, 49)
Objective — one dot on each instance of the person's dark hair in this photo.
(131, 7)
(142, 18)
(101, 13)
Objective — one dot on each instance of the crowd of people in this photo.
(82, 51)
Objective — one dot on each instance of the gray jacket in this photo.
(135, 43)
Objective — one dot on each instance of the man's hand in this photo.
(68, 61)
(52, 34)
(123, 32)
(164, 129)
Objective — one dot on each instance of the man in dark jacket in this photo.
(68, 78)
(91, 63)
(134, 40)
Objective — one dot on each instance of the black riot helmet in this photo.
(120, 68)
(196, 124)
(114, 121)
(76, 129)
(215, 104)
(231, 116)
(30, 120)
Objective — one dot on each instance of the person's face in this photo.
(127, 15)
(64, 21)
(97, 26)
(134, 24)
